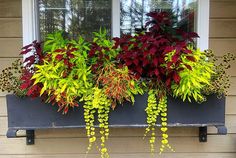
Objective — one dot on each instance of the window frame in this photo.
(30, 25)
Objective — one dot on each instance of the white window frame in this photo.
(31, 27)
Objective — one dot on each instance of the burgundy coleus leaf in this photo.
(66, 62)
(125, 48)
(187, 51)
(136, 62)
(24, 85)
(193, 35)
(176, 78)
(155, 61)
(145, 53)
(25, 51)
(191, 58)
(59, 57)
(29, 59)
(145, 62)
(169, 65)
(175, 58)
(59, 50)
(128, 62)
(73, 49)
(27, 46)
(153, 51)
(188, 66)
(168, 82)
(168, 49)
(139, 70)
(156, 72)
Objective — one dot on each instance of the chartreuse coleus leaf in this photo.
(195, 74)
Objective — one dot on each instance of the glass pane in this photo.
(75, 17)
(133, 13)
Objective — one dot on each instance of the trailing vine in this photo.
(154, 110)
(97, 102)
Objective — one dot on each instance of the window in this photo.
(82, 17)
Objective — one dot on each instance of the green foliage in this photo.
(102, 51)
(95, 101)
(64, 74)
(10, 79)
(195, 75)
(154, 110)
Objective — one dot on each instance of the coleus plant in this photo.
(161, 61)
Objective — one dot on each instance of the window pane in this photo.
(75, 17)
(133, 13)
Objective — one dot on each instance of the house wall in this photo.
(128, 142)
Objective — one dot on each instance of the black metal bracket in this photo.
(202, 134)
(30, 137)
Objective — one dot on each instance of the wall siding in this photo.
(124, 142)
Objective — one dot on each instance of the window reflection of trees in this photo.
(82, 17)
(133, 13)
(76, 17)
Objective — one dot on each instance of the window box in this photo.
(28, 114)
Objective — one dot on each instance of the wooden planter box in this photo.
(32, 114)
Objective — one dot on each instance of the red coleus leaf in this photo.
(30, 59)
(66, 62)
(187, 51)
(168, 81)
(25, 51)
(169, 65)
(24, 85)
(136, 62)
(27, 46)
(156, 72)
(59, 50)
(145, 62)
(59, 57)
(191, 58)
(175, 58)
(155, 61)
(176, 78)
(188, 66)
(139, 70)
(153, 51)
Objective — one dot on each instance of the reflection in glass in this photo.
(76, 17)
(133, 13)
